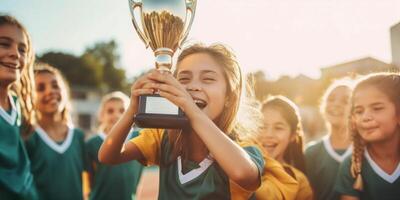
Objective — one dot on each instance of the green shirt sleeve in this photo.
(344, 180)
(256, 155)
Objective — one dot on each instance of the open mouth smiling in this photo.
(10, 65)
(200, 103)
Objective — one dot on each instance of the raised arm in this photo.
(233, 159)
(113, 150)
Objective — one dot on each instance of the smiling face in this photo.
(13, 53)
(204, 79)
(337, 106)
(276, 133)
(374, 115)
(50, 98)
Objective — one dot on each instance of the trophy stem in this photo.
(163, 59)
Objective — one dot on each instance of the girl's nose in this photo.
(366, 117)
(193, 87)
(13, 52)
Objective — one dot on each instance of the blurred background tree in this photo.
(97, 67)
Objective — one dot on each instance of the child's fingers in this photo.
(164, 78)
(138, 92)
(174, 99)
(141, 81)
(169, 89)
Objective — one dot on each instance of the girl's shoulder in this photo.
(76, 130)
(314, 147)
(91, 138)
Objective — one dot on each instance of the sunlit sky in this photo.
(280, 37)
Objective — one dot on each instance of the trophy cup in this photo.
(164, 25)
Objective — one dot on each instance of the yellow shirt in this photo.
(278, 184)
(152, 144)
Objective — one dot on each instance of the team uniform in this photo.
(111, 182)
(57, 167)
(322, 162)
(16, 180)
(190, 180)
(282, 182)
(377, 184)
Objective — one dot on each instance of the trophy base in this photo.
(157, 112)
(144, 120)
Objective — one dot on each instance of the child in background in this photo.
(56, 148)
(206, 161)
(281, 139)
(111, 182)
(324, 157)
(16, 92)
(373, 170)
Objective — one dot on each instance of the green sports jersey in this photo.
(189, 180)
(322, 162)
(16, 180)
(111, 181)
(57, 167)
(377, 184)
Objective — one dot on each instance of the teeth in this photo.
(200, 103)
(12, 66)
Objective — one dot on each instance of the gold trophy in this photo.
(164, 25)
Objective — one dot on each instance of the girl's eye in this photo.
(378, 108)
(40, 87)
(357, 112)
(183, 79)
(122, 110)
(22, 50)
(209, 79)
(110, 111)
(4, 44)
(55, 86)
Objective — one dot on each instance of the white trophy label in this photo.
(157, 105)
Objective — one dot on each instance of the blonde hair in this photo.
(24, 87)
(242, 120)
(338, 83)
(41, 68)
(389, 84)
(117, 95)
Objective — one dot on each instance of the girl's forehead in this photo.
(199, 62)
(368, 94)
(13, 32)
(113, 102)
(273, 115)
(43, 76)
(340, 90)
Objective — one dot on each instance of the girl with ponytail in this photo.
(373, 170)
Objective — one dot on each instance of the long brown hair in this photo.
(24, 87)
(294, 152)
(389, 84)
(41, 68)
(232, 120)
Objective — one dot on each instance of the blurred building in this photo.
(85, 104)
(355, 67)
(395, 44)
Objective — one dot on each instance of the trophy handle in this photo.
(138, 5)
(190, 7)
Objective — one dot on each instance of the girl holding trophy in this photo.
(214, 159)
